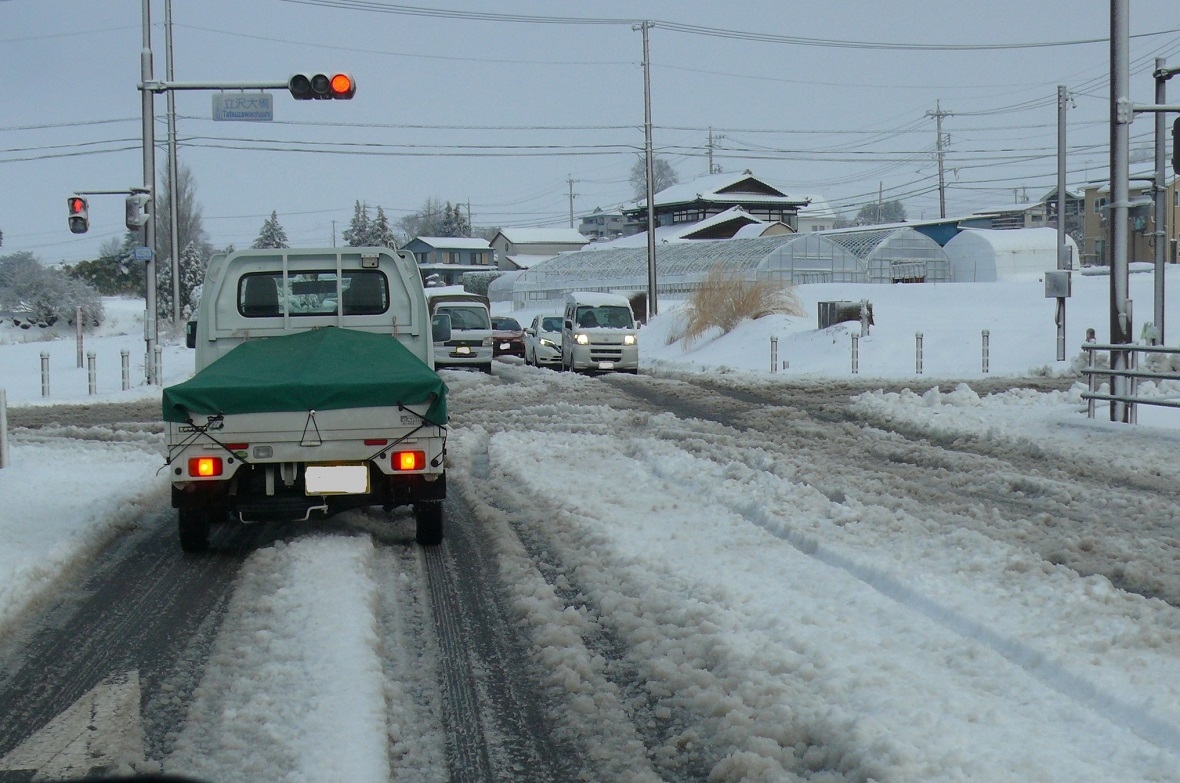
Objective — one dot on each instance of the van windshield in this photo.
(465, 317)
(604, 316)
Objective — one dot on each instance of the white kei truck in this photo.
(314, 392)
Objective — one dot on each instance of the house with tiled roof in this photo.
(704, 197)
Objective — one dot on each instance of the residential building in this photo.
(601, 225)
(449, 258)
(1140, 245)
(520, 248)
(692, 202)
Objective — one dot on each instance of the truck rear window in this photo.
(303, 293)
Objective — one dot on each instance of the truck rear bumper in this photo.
(247, 498)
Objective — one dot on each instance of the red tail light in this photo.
(409, 460)
(204, 467)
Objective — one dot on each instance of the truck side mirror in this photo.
(440, 328)
(569, 324)
(190, 334)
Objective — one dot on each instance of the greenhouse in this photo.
(985, 256)
(888, 255)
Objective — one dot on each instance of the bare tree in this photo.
(664, 176)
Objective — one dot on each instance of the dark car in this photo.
(507, 337)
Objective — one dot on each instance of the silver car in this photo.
(542, 341)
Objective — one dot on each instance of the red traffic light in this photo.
(321, 86)
(79, 220)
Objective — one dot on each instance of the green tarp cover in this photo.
(322, 369)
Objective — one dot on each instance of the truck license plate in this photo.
(606, 365)
(462, 350)
(337, 479)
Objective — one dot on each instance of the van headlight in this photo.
(629, 339)
(582, 339)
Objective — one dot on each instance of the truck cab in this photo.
(599, 333)
(469, 345)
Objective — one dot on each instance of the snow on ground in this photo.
(759, 607)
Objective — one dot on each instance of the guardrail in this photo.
(1131, 373)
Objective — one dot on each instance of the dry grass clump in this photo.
(726, 298)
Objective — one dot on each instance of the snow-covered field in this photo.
(998, 666)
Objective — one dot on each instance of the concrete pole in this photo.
(1158, 192)
(652, 305)
(1121, 116)
(150, 331)
(1062, 248)
(172, 166)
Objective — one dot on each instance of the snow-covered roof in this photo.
(818, 208)
(538, 236)
(729, 188)
(683, 232)
(596, 298)
(457, 243)
(526, 260)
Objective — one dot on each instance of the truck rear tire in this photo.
(193, 525)
(428, 519)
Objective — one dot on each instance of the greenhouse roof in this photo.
(671, 259)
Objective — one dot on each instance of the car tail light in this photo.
(409, 460)
(204, 467)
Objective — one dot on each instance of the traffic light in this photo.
(1176, 146)
(79, 214)
(321, 86)
(137, 210)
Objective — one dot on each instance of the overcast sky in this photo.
(502, 112)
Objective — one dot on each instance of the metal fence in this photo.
(1126, 379)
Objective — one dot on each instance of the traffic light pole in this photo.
(150, 328)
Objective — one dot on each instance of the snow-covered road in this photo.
(714, 578)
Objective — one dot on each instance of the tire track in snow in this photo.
(1131, 716)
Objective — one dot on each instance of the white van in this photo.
(470, 343)
(598, 333)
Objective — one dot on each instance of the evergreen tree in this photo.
(272, 234)
(382, 234)
(454, 223)
(193, 263)
(359, 228)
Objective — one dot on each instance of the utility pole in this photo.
(1121, 117)
(938, 114)
(333, 233)
(713, 169)
(150, 331)
(650, 159)
(1162, 74)
(173, 207)
(1063, 259)
(572, 194)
